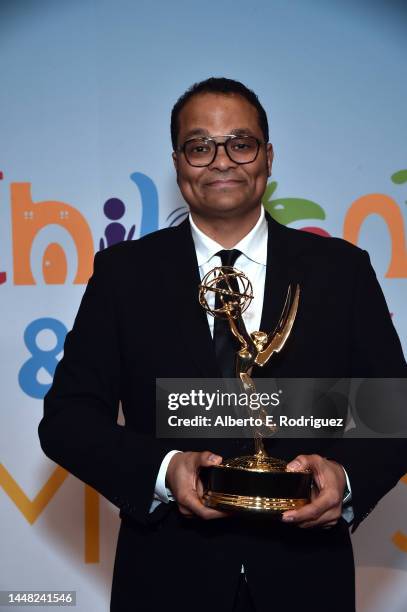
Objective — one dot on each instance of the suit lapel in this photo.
(191, 321)
(283, 268)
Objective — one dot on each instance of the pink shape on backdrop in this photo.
(316, 230)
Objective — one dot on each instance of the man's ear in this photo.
(175, 162)
(270, 157)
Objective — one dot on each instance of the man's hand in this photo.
(183, 480)
(325, 508)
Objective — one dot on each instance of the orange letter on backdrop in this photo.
(31, 510)
(388, 209)
(28, 219)
(400, 539)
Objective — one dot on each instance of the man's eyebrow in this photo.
(242, 132)
(196, 132)
(200, 132)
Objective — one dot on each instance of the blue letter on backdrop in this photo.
(27, 376)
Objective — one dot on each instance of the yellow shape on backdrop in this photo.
(31, 509)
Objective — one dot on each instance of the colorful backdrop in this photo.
(86, 92)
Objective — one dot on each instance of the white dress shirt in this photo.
(252, 262)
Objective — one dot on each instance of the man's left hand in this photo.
(325, 508)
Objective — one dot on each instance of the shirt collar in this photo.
(253, 245)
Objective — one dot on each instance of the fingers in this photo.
(324, 521)
(304, 462)
(314, 514)
(327, 519)
(190, 503)
(329, 525)
(325, 508)
(206, 459)
(185, 511)
(186, 486)
(327, 500)
(194, 501)
(199, 488)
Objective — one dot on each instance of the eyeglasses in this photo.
(200, 152)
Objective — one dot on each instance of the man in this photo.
(140, 319)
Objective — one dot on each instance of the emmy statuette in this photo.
(254, 484)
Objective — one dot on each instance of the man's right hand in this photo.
(186, 486)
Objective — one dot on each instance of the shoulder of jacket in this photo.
(328, 246)
(142, 247)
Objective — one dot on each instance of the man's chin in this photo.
(227, 208)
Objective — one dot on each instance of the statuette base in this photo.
(256, 484)
(255, 505)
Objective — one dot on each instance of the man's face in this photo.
(224, 188)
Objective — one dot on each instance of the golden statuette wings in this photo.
(278, 337)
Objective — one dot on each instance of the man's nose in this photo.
(222, 160)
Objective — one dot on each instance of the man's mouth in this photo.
(219, 183)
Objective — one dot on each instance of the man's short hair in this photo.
(218, 85)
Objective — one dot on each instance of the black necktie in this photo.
(226, 344)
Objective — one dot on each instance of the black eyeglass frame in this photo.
(228, 138)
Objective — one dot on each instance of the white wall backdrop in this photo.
(86, 92)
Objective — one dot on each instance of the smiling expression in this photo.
(223, 188)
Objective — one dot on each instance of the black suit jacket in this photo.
(140, 320)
